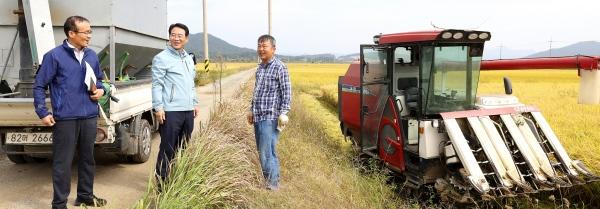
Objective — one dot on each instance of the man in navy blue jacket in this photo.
(70, 71)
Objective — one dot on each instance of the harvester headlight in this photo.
(484, 35)
(446, 35)
(472, 36)
(458, 35)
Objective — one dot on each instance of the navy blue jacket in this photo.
(61, 71)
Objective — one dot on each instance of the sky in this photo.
(340, 26)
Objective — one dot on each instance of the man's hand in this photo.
(250, 117)
(97, 94)
(48, 120)
(282, 121)
(160, 116)
(196, 111)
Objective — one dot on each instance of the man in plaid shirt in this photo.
(269, 108)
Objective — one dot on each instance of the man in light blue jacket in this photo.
(173, 96)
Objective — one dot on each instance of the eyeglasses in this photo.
(89, 32)
(175, 35)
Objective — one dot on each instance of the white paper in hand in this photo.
(89, 74)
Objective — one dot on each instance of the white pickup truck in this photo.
(125, 42)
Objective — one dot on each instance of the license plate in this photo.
(29, 138)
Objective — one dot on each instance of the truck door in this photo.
(374, 84)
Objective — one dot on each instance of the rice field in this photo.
(219, 69)
(318, 79)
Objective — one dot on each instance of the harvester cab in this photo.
(411, 101)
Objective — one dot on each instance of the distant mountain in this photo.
(217, 46)
(491, 53)
(312, 58)
(591, 48)
(348, 57)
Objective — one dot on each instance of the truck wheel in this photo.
(144, 143)
(15, 158)
(32, 159)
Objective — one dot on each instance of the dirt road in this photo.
(30, 185)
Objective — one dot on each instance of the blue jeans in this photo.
(266, 134)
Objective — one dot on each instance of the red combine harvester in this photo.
(411, 102)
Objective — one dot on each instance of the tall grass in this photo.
(214, 169)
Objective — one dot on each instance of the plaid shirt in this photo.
(272, 91)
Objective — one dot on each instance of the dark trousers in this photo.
(69, 136)
(175, 131)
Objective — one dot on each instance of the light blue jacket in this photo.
(173, 87)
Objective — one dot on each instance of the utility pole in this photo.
(269, 17)
(205, 28)
(501, 50)
(550, 50)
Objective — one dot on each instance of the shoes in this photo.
(94, 202)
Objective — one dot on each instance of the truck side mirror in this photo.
(507, 86)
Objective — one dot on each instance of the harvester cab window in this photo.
(374, 88)
(402, 56)
(453, 81)
(405, 69)
(405, 78)
(374, 64)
